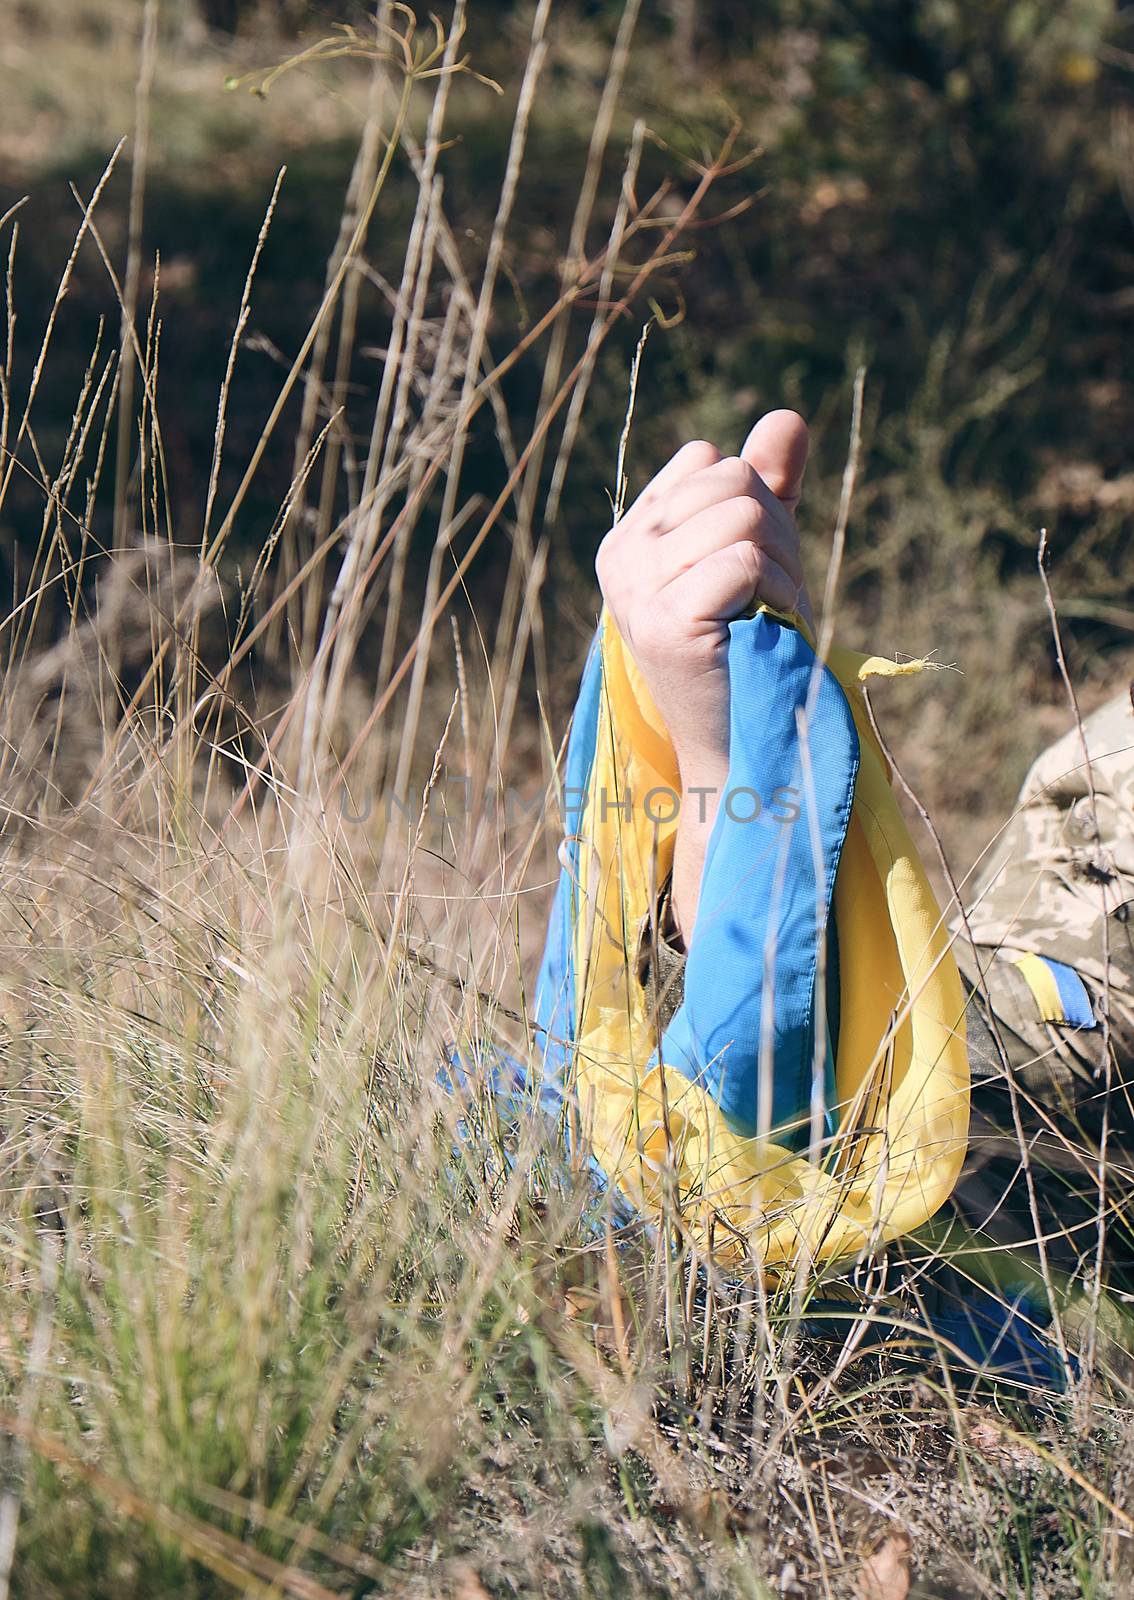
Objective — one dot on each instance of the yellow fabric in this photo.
(1041, 981)
(901, 1063)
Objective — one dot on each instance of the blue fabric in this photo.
(554, 1005)
(519, 1110)
(1076, 1002)
(1002, 1338)
(764, 893)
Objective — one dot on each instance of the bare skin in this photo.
(706, 537)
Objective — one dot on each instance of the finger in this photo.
(777, 448)
(692, 457)
(722, 524)
(725, 584)
(726, 479)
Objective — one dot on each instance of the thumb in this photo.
(777, 449)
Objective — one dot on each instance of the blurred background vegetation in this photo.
(942, 193)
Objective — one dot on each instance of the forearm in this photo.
(702, 793)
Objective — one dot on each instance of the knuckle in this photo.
(746, 517)
(741, 477)
(750, 560)
(699, 453)
(606, 557)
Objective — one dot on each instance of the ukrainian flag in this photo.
(809, 1099)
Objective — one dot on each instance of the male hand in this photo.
(707, 537)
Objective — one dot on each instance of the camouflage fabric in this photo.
(1062, 868)
(1058, 882)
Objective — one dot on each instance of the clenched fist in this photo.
(707, 537)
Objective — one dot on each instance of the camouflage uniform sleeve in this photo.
(1059, 883)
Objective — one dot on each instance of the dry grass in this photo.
(274, 1324)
